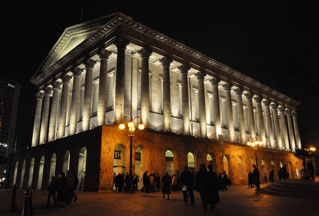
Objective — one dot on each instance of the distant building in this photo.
(113, 70)
(9, 99)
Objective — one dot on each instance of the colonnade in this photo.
(273, 117)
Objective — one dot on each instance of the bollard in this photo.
(27, 207)
(13, 198)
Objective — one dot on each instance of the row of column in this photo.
(41, 119)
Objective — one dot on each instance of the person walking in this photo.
(70, 187)
(158, 182)
(256, 177)
(213, 196)
(202, 185)
(250, 180)
(52, 189)
(62, 189)
(225, 180)
(166, 185)
(144, 181)
(187, 181)
(271, 176)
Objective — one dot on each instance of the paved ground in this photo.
(238, 200)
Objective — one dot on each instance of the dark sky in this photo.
(276, 43)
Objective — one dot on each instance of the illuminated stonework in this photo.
(113, 69)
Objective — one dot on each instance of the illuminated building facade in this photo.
(195, 110)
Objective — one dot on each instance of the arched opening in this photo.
(15, 173)
(280, 164)
(31, 172)
(82, 168)
(297, 171)
(240, 168)
(210, 158)
(169, 158)
(53, 165)
(191, 160)
(226, 165)
(66, 162)
(263, 168)
(40, 178)
(119, 159)
(139, 165)
(22, 174)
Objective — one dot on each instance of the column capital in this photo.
(287, 111)
(273, 105)
(294, 113)
(238, 91)
(56, 84)
(66, 78)
(257, 99)
(77, 71)
(104, 53)
(249, 95)
(227, 86)
(266, 102)
(145, 52)
(184, 68)
(39, 94)
(48, 90)
(214, 81)
(281, 109)
(121, 43)
(166, 61)
(200, 75)
(89, 63)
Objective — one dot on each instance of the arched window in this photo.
(53, 165)
(40, 177)
(226, 165)
(31, 173)
(82, 168)
(169, 158)
(66, 162)
(22, 174)
(240, 168)
(191, 160)
(272, 163)
(119, 159)
(281, 164)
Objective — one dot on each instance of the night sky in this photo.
(276, 43)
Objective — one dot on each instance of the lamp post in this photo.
(254, 144)
(131, 130)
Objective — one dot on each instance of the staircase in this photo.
(293, 188)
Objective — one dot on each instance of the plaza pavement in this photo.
(238, 200)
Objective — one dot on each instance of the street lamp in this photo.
(131, 130)
(254, 144)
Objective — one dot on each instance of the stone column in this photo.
(75, 101)
(291, 131)
(145, 92)
(251, 120)
(121, 44)
(269, 124)
(202, 106)
(37, 119)
(276, 125)
(64, 102)
(216, 108)
(229, 110)
(54, 109)
(101, 109)
(45, 115)
(260, 120)
(283, 127)
(166, 61)
(88, 93)
(240, 110)
(185, 105)
(296, 129)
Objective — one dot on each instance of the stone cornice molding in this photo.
(107, 26)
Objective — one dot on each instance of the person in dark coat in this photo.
(52, 189)
(70, 187)
(119, 182)
(158, 182)
(145, 181)
(311, 169)
(202, 185)
(250, 180)
(256, 177)
(225, 181)
(62, 189)
(213, 196)
(166, 185)
(187, 181)
(271, 176)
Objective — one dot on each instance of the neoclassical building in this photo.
(195, 110)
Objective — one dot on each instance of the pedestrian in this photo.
(220, 182)
(75, 185)
(158, 182)
(174, 183)
(135, 181)
(144, 180)
(166, 185)
(52, 189)
(311, 169)
(213, 196)
(225, 180)
(70, 187)
(202, 185)
(187, 181)
(256, 177)
(152, 181)
(250, 180)
(119, 182)
(271, 176)
(62, 189)
(280, 173)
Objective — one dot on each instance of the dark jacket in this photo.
(202, 180)
(187, 178)
(166, 184)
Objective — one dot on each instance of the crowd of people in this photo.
(61, 189)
